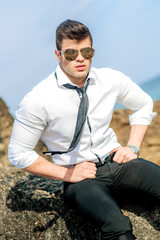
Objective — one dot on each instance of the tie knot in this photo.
(82, 89)
(67, 85)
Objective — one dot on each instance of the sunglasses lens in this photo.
(71, 54)
(87, 52)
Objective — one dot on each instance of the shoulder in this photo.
(35, 101)
(109, 75)
(43, 86)
(109, 72)
(42, 90)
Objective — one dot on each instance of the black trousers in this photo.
(95, 197)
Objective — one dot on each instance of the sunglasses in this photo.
(72, 54)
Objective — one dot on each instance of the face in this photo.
(76, 70)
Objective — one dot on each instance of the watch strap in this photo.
(134, 149)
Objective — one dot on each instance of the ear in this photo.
(93, 49)
(57, 53)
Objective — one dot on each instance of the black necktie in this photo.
(81, 118)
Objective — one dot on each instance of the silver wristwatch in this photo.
(134, 149)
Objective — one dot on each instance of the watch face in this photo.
(135, 149)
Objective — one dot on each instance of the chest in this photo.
(63, 106)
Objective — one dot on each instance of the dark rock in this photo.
(32, 208)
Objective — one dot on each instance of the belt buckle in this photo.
(109, 158)
(106, 160)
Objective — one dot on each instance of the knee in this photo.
(143, 170)
(137, 163)
(140, 163)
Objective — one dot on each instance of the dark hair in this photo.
(72, 30)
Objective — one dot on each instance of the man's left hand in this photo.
(123, 154)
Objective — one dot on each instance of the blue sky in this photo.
(126, 37)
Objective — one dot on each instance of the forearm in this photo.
(79, 172)
(44, 168)
(125, 154)
(22, 155)
(137, 134)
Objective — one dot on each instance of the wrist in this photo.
(134, 149)
(68, 175)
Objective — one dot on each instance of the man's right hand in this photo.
(79, 172)
(82, 171)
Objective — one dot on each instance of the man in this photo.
(71, 111)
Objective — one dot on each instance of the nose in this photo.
(79, 58)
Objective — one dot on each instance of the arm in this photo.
(134, 98)
(27, 129)
(47, 169)
(125, 154)
(137, 134)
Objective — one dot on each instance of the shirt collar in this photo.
(63, 79)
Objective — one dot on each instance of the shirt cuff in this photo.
(21, 159)
(146, 119)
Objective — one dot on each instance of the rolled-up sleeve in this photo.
(27, 129)
(135, 99)
(144, 115)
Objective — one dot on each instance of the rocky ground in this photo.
(32, 208)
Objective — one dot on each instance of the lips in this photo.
(81, 67)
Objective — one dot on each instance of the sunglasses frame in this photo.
(75, 54)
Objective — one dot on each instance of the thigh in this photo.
(140, 175)
(88, 195)
(82, 194)
(94, 199)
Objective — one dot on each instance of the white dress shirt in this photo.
(50, 111)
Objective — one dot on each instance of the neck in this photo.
(79, 81)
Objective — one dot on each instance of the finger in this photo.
(115, 149)
(118, 158)
(91, 174)
(117, 154)
(91, 165)
(87, 164)
(128, 158)
(125, 154)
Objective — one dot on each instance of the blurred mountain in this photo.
(152, 87)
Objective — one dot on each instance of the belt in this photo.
(107, 160)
